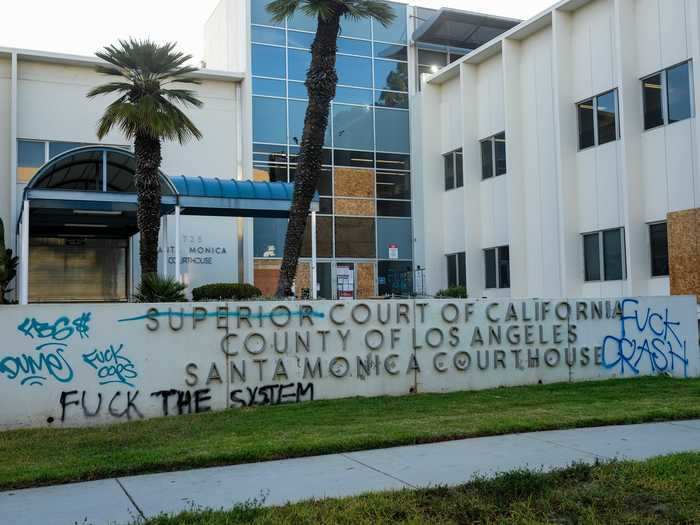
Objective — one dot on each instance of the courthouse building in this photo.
(552, 157)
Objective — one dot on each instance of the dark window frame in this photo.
(455, 178)
(593, 101)
(459, 261)
(602, 269)
(663, 73)
(494, 168)
(653, 258)
(503, 280)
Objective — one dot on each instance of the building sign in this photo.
(80, 364)
(393, 251)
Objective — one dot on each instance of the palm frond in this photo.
(281, 9)
(144, 106)
(380, 11)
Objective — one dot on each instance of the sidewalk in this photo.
(123, 500)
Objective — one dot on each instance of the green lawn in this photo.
(43, 456)
(661, 490)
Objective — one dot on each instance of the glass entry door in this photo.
(78, 269)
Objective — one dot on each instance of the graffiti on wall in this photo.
(188, 359)
(647, 340)
(48, 361)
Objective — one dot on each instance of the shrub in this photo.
(225, 291)
(156, 289)
(453, 292)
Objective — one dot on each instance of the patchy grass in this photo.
(44, 456)
(660, 490)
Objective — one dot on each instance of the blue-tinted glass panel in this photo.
(356, 28)
(392, 51)
(299, 62)
(269, 120)
(302, 21)
(392, 130)
(259, 15)
(391, 99)
(297, 90)
(267, 35)
(394, 231)
(267, 86)
(299, 39)
(354, 47)
(393, 208)
(268, 61)
(352, 127)
(391, 75)
(396, 32)
(56, 148)
(354, 71)
(269, 153)
(349, 95)
(678, 86)
(30, 154)
(268, 237)
(297, 113)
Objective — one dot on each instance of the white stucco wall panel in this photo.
(451, 120)
(654, 177)
(491, 118)
(680, 166)
(608, 185)
(83, 365)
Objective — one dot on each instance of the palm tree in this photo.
(146, 111)
(321, 80)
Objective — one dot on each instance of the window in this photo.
(597, 120)
(457, 269)
(392, 130)
(454, 174)
(497, 267)
(667, 96)
(604, 255)
(493, 156)
(658, 241)
(352, 127)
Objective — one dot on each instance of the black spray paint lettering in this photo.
(119, 404)
(273, 394)
(184, 401)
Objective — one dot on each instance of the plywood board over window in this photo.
(684, 252)
(267, 272)
(357, 207)
(365, 280)
(354, 182)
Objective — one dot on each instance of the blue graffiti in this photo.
(49, 361)
(646, 337)
(112, 366)
(35, 369)
(60, 330)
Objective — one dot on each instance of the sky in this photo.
(81, 27)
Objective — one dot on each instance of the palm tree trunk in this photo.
(321, 81)
(148, 158)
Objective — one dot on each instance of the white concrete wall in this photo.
(84, 364)
(528, 82)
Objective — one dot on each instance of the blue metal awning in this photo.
(232, 198)
(91, 184)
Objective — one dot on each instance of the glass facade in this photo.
(365, 208)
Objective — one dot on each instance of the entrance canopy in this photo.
(92, 191)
